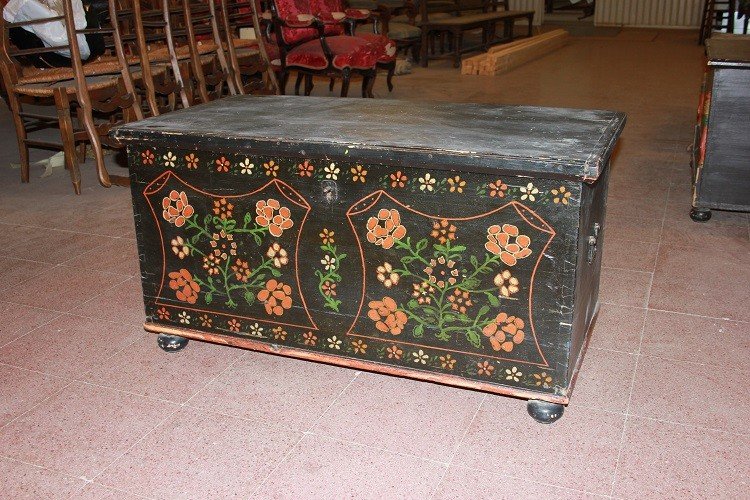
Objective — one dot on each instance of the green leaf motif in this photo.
(249, 297)
(418, 331)
(209, 297)
(494, 301)
(473, 337)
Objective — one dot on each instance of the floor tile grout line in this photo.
(278, 464)
(57, 315)
(376, 448)
(682, 313)
(533, 481)
(638, 357)
(34, 407)
(179, 406)
(333, 402)
(43, 467)
(456, 448)
(120, 490)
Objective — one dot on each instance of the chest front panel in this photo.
(463, 274)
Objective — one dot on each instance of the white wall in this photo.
(536, 5)
(649, 13)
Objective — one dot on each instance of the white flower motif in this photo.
(420, 357)
(513, 374)
(184, 318)
(529, 191)
(255, 330)
(334, 343)
(427, 183)
(329, 263)
(169, 159)
(332, 171)
(246, 167)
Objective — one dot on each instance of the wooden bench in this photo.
(466, 16)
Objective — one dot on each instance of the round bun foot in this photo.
(544, 412)
(699, 215)
(171, 343)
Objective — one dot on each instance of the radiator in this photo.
(649, 13)
(536, 5)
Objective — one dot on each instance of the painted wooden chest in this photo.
(458, 244)
(721, 152)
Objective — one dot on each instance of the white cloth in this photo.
(52, 33)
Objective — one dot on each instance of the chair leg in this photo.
(331, 83)
(371, 81)
(86, 116)
(423, 48)
(298, 82)
(308, 84)
(345, 77)
(23, 148)
(365, 84)
(391, 70)
(457, 50)
(283, 79)
(68, 138)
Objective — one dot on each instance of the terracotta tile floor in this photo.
(91, 408)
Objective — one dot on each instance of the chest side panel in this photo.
(469, 275)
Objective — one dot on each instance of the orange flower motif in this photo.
(191, 161)
(163, 313)
(310, 339)
(460, 300)
(498, 188)
(147, 157)
(233, 325)
(223, 208)
(505, 332)
(176, 208)
(394, 352)
(211, 263)
(507, 243)
(387, 317)
(305, 169)
(329, 288)
(398, 179)
(443, 231)
(185, 288)
(276, 297)
(222, 164)
(385, 229)
(180, 248)
(485, 368)
(267, 216)
(242, 270)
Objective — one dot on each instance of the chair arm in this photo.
(298, 21)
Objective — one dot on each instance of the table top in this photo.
(521, 140)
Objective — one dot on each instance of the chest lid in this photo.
(516, 140)
(729, 50)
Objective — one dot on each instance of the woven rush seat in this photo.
(102, 66)
(161, 54)
(47, 89)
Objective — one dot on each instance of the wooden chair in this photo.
(101, 88)
(194, 23)
(383, 46)
(145, 33)
(313, 46)
(248, 57)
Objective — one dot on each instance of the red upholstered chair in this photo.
(386, 48)
(315, 46)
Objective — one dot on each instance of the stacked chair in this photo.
(162, 55)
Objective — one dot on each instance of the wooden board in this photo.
(505, 57)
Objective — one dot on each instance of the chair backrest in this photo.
(290, 9)
(237, 15)
(104, 48)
